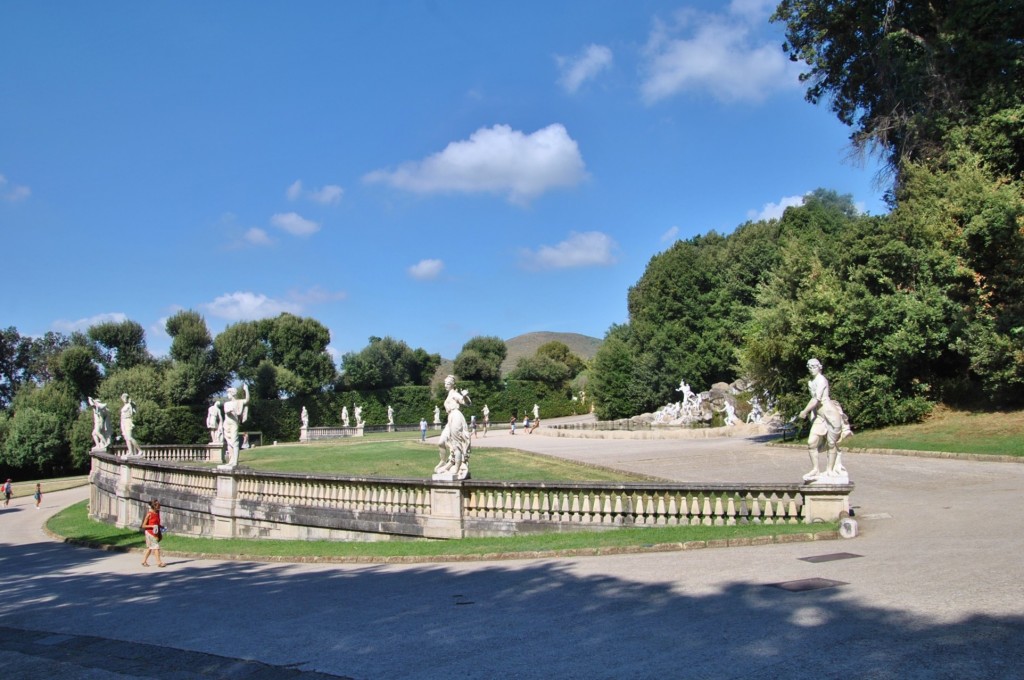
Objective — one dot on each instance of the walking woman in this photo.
(152, 529)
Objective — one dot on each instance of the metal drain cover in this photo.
(829, 558)
(808, 584)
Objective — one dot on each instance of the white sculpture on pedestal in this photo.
(132, 447)
(102, 430)
(305, 418)
(456, 439)
(391, 415)
(359, 416)
(688, 396)
(236, 412)
(829, 427)
(344, 416)
(215, 423)
(437, 417)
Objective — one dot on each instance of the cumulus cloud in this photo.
(257, 237)
(670, 234)
(426, 270)
(496, 160)
(716, 53)
(583, 67)
(295, 224)
(13, 193)
(585, 249)
(316, 295)
(246, 306)
(66, 326)
(773, 211)
(328, 194)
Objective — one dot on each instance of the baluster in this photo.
(794, 516)
(517, 506)
(661, 520)
(730, 511)
(719, 512)
(575, 513)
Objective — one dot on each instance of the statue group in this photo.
(455, 442)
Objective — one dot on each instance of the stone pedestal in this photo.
(825, 503)
(303, 436)
(445, 519)
(223, 505)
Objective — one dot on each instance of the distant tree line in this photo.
(923, 305)
(45, 427)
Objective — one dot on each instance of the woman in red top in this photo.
(151, 527)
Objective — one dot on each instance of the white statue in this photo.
(829, 427)
(344, 416)
(487, 419)
(132, 447)
(456, 438)
(756, 413)
(688, 396)
(305, 418)
(359, 416)
(437, 415)
(730, 414)
(536, 411)
(215, 423)
(391, 415)
(102, 430)
(236, 412)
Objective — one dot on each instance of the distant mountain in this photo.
(525, 345)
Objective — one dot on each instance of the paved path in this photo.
(935, 590)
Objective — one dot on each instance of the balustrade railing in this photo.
(236, 502)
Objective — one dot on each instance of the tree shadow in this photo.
(516, 619)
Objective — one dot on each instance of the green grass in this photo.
(22, 489)
(74, 523)
(952, 432)
(405, 458)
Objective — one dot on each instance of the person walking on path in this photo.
(512, 423)
(38, 495)
(153, 531)
(8, 490)
(423, 429)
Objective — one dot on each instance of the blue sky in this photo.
(430, 171)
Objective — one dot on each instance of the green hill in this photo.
(526, 345)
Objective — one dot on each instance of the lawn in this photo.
(952, 431)
(74, 523)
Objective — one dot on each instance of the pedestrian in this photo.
(423, 429)
(38, 495)
(153, 531)
(536, 424)
(8, 490)
(513, 424)
(472, 426)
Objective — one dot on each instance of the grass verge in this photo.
(73, 524)
(952, 431)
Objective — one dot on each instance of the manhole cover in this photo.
(829, 558)
(808, 584)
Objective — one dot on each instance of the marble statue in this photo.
(536, 411)
(132, 447)
(437, 415)
(215, 423)
(487, 418)
(730, 414)
(829, 427)
(359, 416)
(391, 415)
(344, 416)
(456, 439)
(688, 395)
(305, 418)
(236, 412)
(102, 430)
(756, 412)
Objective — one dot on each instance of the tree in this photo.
(901, 74)
(25, 359)
(613, 378)
(560, 352)
(76, 367)
(299, 344)
(194, 374)
(241, 348)
(385, 363)
(480, 359)
(124, 343)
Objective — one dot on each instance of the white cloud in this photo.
(246, 306)
(295, 224)
(316, 295)
(426, 270)
(257, 237)
(717, 53)
(65, 326)
(495, 160)
(328, 194)
(583, 67)
(670, 235)
(13, 193)
(773, 211)
(585, 249)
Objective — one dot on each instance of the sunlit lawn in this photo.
(952, 432)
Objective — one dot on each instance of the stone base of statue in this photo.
(828, 478)
(451, 475)
(227, 466)
(303, 437)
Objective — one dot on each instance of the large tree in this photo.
(385, 363)
(902, 73)
(123, 344)
(480, 359)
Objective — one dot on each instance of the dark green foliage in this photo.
(387, 363)
(123, 344)
(76, 367)
(24, 360)
(480, 359)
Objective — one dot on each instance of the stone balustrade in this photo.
(309, 434)
(176, 452)
(204, 501)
